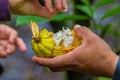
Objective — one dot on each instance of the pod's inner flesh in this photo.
(63, 38)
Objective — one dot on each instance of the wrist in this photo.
(108, 65)
(113, 60)
(4, 10)
(117, 71)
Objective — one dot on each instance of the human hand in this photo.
(93, 56)
(9, 40)
(33, 7)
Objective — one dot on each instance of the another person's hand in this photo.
(93, 57)
(33, 7)
(9, 41)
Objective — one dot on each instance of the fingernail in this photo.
(78, 26)
(33, 58)
(23, 50)
(65, 10)
(65, 6)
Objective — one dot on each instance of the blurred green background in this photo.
(101, 16)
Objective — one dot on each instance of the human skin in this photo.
(93, 56)
(33, 7)
(9, 41)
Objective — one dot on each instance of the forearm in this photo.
(4, 10)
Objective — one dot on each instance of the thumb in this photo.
(83, 32)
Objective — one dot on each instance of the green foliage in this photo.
(59, 17)
(101, 78)
(91, 12)
(86, 2)
(25, 19)
(111, 12)
(84, 9)
(103, 2)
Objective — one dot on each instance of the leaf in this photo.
(105, 29)
(108, 29)
(94, 12)
(102, 78)
(64, 17)
(86, 2)
(59, 17)
(103, 2)
(24, 19)
(111, 12)
(84, 9)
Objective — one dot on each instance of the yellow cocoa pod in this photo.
(48, 44)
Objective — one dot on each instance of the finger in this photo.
(76, 29)
(2, 32)
(10, 48)
(58, 5)
(83, 32)
(48, 4)
(2, 48)
(3, 43)
(42, 11)
(8, 33)
(21, 45)
(3, 52)
(12, 35)
(42, 61)
(64, 6)
(60, 61)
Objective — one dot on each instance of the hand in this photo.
(32, 7)
(93, 57)
(9, 41)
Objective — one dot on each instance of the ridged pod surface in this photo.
(44, 44)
